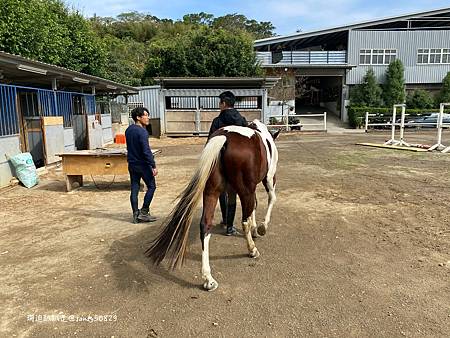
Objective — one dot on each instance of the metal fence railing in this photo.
(302, 57)
(297, 121)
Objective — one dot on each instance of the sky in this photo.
(287, 16)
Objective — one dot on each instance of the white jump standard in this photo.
(392, 140)
(440, 126)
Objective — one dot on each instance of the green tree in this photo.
(126, 60)
(138, 26)
(368, 93)
(356, 96)
(86, 51)
(419, 99)
(394, 88)
(166, 58)
(197, 45)
(47, 31)
(444, 95)
(201, 18)
(238, 22)
(202, 52)
(371, 90)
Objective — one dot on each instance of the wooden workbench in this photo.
(94, 162)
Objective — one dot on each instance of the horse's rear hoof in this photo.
(211, 285)
(255, 233)
(254, 254)
(261, 230)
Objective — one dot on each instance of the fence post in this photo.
(287, 119)
(366, 124)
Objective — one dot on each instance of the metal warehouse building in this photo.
(318, 67)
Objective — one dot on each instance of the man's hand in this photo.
(155, 171)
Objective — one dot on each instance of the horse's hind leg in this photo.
(269, 184)
(206, 223)
(248, 210)
(254, 225)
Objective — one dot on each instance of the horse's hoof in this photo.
(254, 253)
(254, 233)
(210, 285)
(261, 230)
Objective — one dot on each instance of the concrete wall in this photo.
(276, 108)
(69, 141)
(95, 132)
(54, 142)
(9, 145)
(107, 134)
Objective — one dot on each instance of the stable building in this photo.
(318, 67)
(185, 106)
(46, 110)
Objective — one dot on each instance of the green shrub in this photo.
(444, 95)
(420, 99)
(368, 93)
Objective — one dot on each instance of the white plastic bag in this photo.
(25, 169)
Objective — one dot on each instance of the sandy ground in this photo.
(359, 246)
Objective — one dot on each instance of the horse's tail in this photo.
(174, 235)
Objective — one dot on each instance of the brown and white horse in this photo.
(235, 160)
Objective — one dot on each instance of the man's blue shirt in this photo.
(139, 152)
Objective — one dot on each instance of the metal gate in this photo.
(32, 136)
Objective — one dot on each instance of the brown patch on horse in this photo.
(241, 160)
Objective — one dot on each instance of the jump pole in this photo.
(440, 120)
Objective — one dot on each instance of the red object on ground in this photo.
(120, 139)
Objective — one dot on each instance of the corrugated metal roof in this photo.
(290, 37)
(218, 82)
(16, 64)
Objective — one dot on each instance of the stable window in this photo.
(208, 102)
(365, 57)
(433, 55)
(446, 55)
(248, 102)
(389, 56)
(377, 56)
(181, 102)
(423, 55)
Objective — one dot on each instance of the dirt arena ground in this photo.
(359, 246)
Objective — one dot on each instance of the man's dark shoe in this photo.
(135, 217)
(231, 231)
(144, 216)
